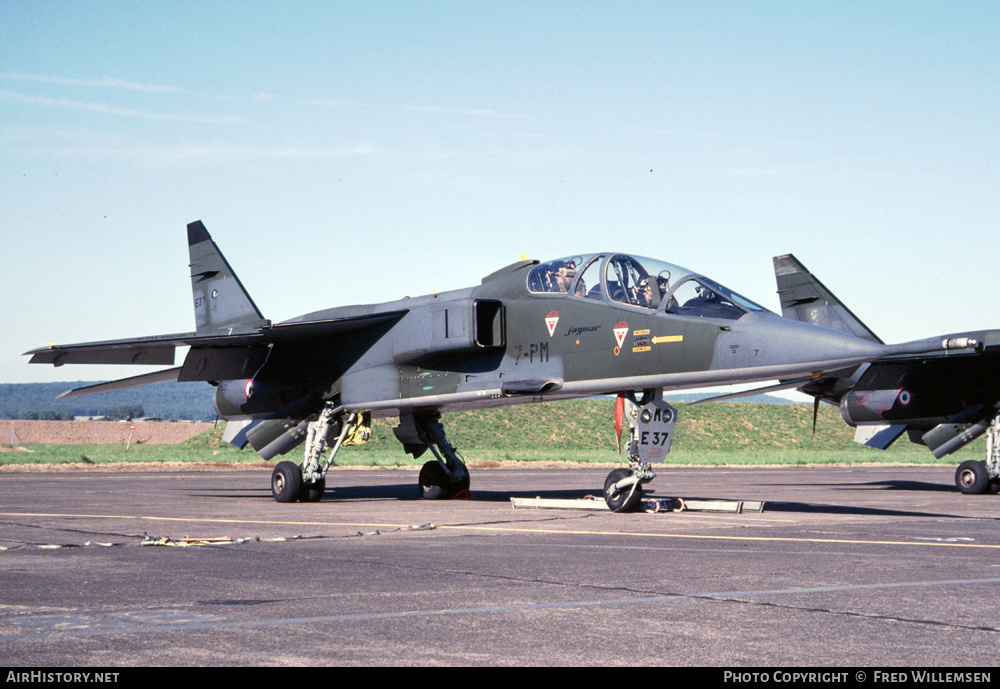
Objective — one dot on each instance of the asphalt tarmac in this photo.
(873, 566)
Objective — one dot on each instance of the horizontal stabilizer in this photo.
(167, 376)
(804, 298)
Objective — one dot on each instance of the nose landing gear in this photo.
(651, 421)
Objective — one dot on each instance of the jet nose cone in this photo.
(774, 341)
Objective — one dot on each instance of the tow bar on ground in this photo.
(651, 505)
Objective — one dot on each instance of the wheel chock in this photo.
(651, 506)
(591, 503)
(682, 505)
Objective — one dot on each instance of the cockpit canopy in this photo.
(637, 281)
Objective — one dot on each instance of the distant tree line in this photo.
(167, 401)
(124, 412)
(119, 412)
(47, 415)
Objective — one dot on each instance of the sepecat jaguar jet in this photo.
(585, 325)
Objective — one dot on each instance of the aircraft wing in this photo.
(327, 327)
(146, 351)
(225, 355)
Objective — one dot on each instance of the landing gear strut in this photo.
(652, 429)
(446, 475)
(307, 482)
(978, 476)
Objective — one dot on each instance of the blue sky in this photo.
(346, 152)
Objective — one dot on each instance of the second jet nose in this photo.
(770, 340)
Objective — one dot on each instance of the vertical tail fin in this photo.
(804, 298)
(220, 300)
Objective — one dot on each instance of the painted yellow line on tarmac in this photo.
(512, 529)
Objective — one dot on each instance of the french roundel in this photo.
(248, 388)
(904, 398)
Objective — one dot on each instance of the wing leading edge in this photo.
(212, 357)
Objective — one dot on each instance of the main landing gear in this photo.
(982, 476)
(651, 421)
(306, 482)
(442, 478)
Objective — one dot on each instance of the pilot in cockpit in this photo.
(563, 277)
(644, 295)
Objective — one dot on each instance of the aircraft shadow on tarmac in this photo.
(818, 508)
(894, 484)
(888, 484)
(409, 492)
(405, 491)
(912, 485)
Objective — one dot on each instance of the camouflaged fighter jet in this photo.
(586, 325)
(943, 400)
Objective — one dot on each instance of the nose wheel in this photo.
(622, 490)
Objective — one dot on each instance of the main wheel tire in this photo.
(971, 477)
(286, 482)
(625, 500)
(313, 492)
(433, 481)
